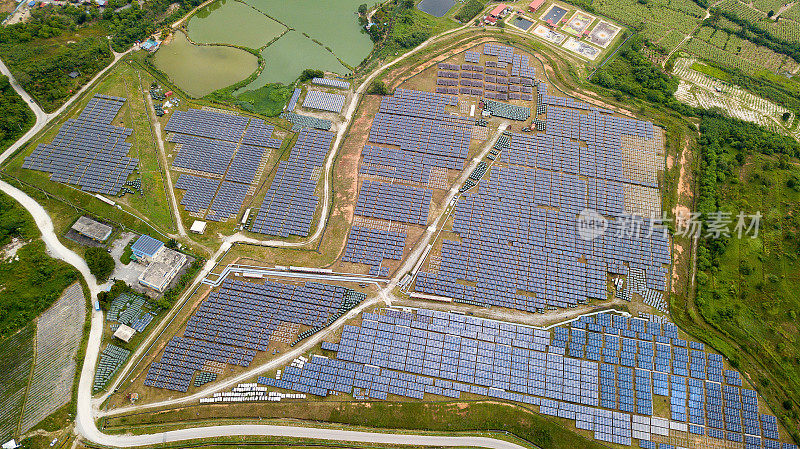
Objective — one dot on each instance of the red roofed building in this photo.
(496, 13)
(535, 4)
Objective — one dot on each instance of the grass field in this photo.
(753, 293)
(148, 213)
(440, 416)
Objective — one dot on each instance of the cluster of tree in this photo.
(309, 74)
(724, 145)
(754, 32)
(408, 27)
(31, 282)
(15, 118)
(46, 23)
(133, 23)
(100, 262)
(633, 74)
(469, 10)
(14, 221)
(119, 287)
(378, 87)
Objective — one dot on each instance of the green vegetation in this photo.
(711, 71)
(633, 74)
(119, 287)
(470, 9)
(55, 43)
(101, 264)
(408, 26)
(268, 100)
(15, 116)
(309, 74)
(31, 281)
(378, 87)
(172, 295)
(126, 255)
(747, 287)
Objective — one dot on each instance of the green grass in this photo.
(127, 253)
(440, 416)
(268, 100)
(711, 71)
(753, 292)
(147, 213)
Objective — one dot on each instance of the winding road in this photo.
(87, 408)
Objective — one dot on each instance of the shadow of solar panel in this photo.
(88, 151)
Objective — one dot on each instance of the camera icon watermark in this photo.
(591, 224)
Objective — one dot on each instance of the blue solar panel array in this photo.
(290, 203)
(398, 164)
(88, 151)
(372, 246)
(218, 145)
(417, 121)
(590, 372)
(395, 202)
(238, 319)
(199, 193)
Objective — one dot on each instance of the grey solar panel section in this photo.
(259, 133)
(203, 155)
(88, 151)
(373, 246)
(209, 124)
(304, 121)
(505, 110)
(340, 84)
(290, 203)
(417, 121)
(228, 201)
(239, 319)
(395, 164)
(394, 202)
(324, 101)
(245, 163)
(199, 191)
(293, 100)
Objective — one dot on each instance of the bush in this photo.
(100, 263)
(308, 74)
(469, 10)
(378, 88)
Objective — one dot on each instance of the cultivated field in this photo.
(700, 90)
(17, 354)
(58, 335)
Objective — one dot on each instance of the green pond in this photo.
(202, 69)
(332, 22)
(233, 22)
(286, 58)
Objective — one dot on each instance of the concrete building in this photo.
(162, 268)
(124, 333)
(198, 227)
(498, 12)
(92, 229)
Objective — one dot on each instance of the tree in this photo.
(311, 73)
(378, 88)
(786, 116)
(100, 263)
(770, 13)
(362, 9)
(172, 244)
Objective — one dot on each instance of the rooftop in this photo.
(92, 229)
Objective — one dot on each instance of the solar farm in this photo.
(220, 158)
(242, 319)
(601, 373)
(88, 151)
